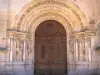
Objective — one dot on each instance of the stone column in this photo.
(78, 45)
(84, 50)
(22, 49)
(14, 50)
(76, 50)
(93, 46)
(81, 47)
(33, 47)
(23, 43)
(8, 53)
(88, 48)
(11, 49)
(89, 44)
(24, 52)
(18, 51)
(71, 51)
(10, 36)
(81, 50)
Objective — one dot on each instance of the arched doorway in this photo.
(50, 48)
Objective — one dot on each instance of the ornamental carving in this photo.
(46, 3)
(85, 34)
(58, 16)
(71, 49)
(17, 35)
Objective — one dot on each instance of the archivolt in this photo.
(50, 16)
(64, 6)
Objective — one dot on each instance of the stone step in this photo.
(9, 73)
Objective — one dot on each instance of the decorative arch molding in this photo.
(72, 9)
(46, 12)
(50, 16)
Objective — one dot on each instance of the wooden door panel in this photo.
(42, 57)
(42, 68)
(50, 48)
(58, 68)
(42, 62)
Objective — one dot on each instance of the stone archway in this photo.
(68, 15)
(50, 48)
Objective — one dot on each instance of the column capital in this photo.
(21, 35)
(10, 34)
(17, 35)
(85, 34)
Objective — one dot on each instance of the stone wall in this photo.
(18, 59)
(3, 28)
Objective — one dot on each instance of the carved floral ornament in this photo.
(76, 12)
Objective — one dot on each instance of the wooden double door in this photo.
(50, 49)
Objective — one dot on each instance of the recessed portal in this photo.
(50, 48)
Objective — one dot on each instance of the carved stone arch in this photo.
(70, 17)
(80, 18)
(43, 13)
(58, 18)
(49, 11)
(49, 16)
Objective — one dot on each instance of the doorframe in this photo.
(66, 67)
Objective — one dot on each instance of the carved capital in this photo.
(20, 35)
(10, 34)
(16, 35)
(85, 34)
